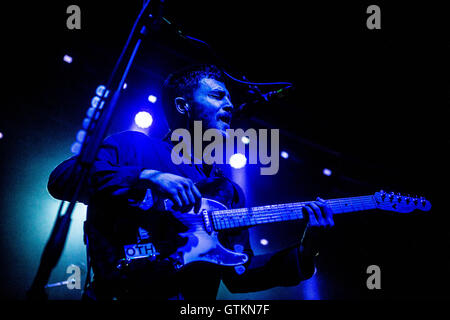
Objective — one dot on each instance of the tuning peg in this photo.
(391, 196)
(423, 201)
(408, 199)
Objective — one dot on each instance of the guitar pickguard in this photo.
(185, 238)
(202, 245)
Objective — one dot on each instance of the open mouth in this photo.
(226, 118)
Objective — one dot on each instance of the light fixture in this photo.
(143, 119)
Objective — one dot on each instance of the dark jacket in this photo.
(113, 195)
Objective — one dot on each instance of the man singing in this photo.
(131, 176)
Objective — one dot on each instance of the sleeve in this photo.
(115, 173)
(61, 183)
(285, 268)
(262, 272)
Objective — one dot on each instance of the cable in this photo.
(258, 83)
(182, 35)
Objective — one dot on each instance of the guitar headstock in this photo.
(400, 203)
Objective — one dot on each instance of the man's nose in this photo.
(228, 106)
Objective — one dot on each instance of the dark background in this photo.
(371, 105)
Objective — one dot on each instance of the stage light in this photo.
(238, 160)
(152, 98)
(100, 90)
(76, 147)
(124, 86)
(143, 119)
(264, 242)
(327, 172)
(245, 140)
(284, 154)
(1, 135)
(94, 102)
(67, 59)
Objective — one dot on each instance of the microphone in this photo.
(262, 98)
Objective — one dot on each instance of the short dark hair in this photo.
(183, 83)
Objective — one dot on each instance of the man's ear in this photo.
(181, 105)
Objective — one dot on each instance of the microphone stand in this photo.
(95, 135)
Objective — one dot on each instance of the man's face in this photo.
(212, 105)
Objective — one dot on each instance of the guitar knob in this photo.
(415, 200)
(383, 194)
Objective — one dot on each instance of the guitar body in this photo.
(184, 238)
(201, 244)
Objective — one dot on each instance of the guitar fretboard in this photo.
(246, 217)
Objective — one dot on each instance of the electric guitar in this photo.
(194, 237)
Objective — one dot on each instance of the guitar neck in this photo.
(247, 217)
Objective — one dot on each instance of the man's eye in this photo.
(217, 95)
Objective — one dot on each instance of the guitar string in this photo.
(283, 212)
(333, 202)
(280, 212)
(276, 213)
(232, 218)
